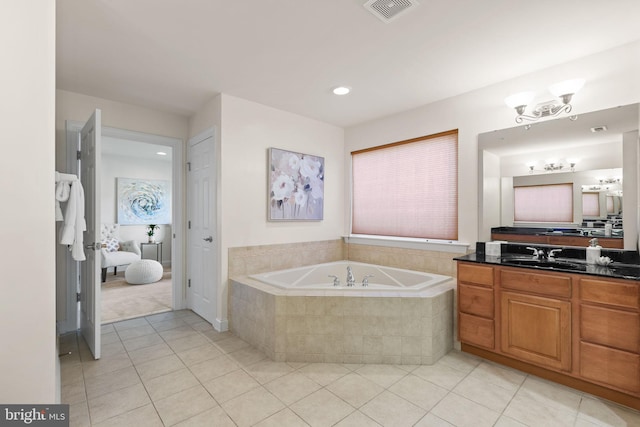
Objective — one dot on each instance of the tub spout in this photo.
(351, 281)
(365, 280)
(336, 281)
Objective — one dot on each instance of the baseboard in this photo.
(221, 325)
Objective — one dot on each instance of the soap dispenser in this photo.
(593, 251)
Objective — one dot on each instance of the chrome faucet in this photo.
(365, 280)
(351, 281)
(553, 252)
(336, 281)
(538, 253)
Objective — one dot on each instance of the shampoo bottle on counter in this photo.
(593, 251)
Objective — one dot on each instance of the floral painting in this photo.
(143, 201)
(296, 186)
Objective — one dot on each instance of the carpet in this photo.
(122, 301)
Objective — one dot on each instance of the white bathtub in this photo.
(387, 280)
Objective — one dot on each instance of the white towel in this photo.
(74, 222)
(63, 188)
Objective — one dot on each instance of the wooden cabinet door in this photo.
(536, 329)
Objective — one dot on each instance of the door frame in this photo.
(178, 224)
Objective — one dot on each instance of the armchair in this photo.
(115, 253)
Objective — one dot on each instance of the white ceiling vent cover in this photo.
(388, 10)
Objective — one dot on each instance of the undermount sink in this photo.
(540, 263)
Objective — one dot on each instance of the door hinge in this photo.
(77, 296)
(189, 166)
(189, 283)
(189, 225)
(78, 155)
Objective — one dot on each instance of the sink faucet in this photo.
(538, 253)
(351, 281)
(552, 252)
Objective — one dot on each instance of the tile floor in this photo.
(174, 369)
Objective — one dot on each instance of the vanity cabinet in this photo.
(536, 317)
(575, 329)
(610, 333)
(476, 305)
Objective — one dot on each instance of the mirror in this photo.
(601, 145)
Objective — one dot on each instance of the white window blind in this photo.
(543, 203)
(590, 204)
(407, 189)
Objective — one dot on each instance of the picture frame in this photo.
(295, 186)
(143, 201)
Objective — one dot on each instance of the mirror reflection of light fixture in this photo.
(563, 90)
(552, 166)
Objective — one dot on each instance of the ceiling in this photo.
(289, 54)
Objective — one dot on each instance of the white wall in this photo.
(123, 166)
(612, 80)
(246, 131)
(29, 363)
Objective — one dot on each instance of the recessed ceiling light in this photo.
(341, 90)
(161, 153)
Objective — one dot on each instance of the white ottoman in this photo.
(143, 272)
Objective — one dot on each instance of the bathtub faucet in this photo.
(365, 280)
(336, 281)
(351, 281)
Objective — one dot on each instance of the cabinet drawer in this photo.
(613, 328)
(473, 273)
(607, 292)
(476, 330)
(546, 284)
(610, 366)
(475, 300)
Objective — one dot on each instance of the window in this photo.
(543, 203)
(408, 188)
(590, 204)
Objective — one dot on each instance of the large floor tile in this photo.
(209, 418)
(324, 373)
(213, 368)
(111, 381)
(199, 354)
(383, 375)
(169, 384)
(462, 412)
(267, 370)
(357, 419)
(533, 411)
(355, 389)
(489, 395)
(145, 416)
(230, 385)
(284, 418)
(322, 408)
(418, 391)
(184, 405)
(161, 366)
(389, 409)
(117, 402)
(441, 374)
(292, 387)
(606, 413)
(252, 407)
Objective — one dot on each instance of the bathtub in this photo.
(298, 315)
(383, 281)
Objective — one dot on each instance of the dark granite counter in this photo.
(625, 265)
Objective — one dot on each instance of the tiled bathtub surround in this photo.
(339, 329)
(342, 329)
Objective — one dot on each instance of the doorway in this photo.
(135, 193)
(173, 258)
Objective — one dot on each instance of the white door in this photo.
(90, 137)
(201, 227)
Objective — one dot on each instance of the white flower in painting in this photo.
(309, 168)
(294, 163)
(282, 187)
(301, 197)
(317, 188)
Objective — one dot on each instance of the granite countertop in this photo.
(625, 265)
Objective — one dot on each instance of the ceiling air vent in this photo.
(388, 10)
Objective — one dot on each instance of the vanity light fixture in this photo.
(552, 166)
(563, 90)
(341, 90)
